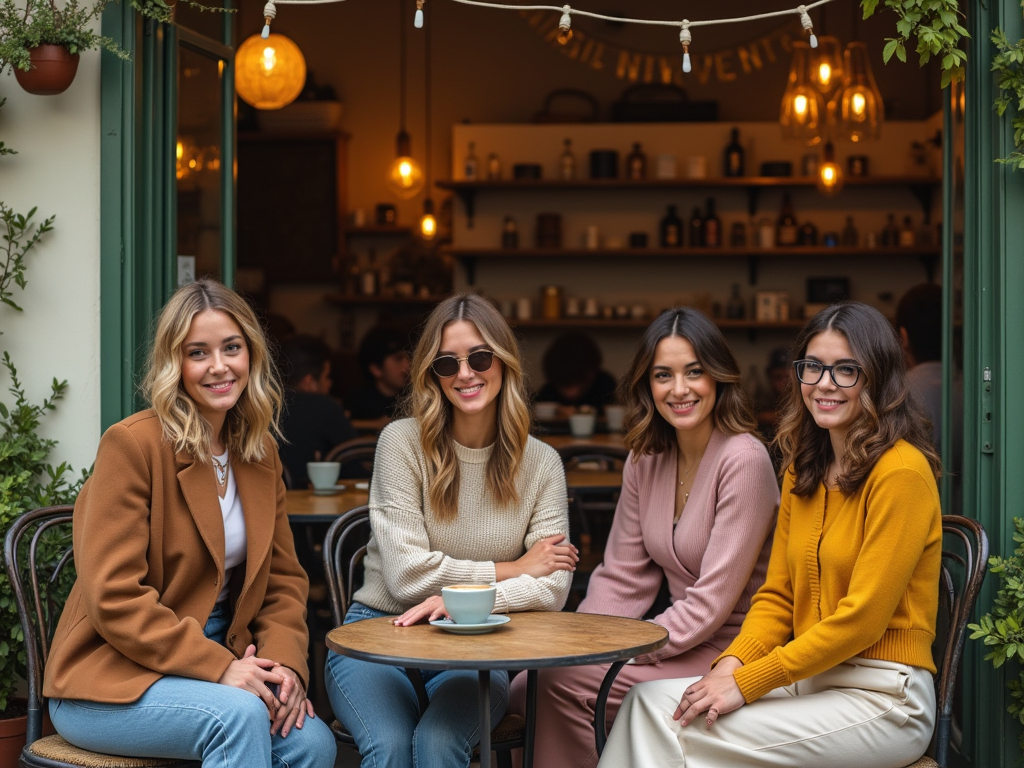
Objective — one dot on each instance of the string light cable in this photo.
(567, 12)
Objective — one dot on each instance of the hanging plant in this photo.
(1009, 63)
(935, 25)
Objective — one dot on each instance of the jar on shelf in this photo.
(551, 302)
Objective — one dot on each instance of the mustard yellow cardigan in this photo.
(848, 576)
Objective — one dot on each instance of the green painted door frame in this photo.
(138, 214)
(993, 387)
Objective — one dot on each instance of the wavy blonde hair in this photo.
(259, 406)
(647, 432)
(429, 405)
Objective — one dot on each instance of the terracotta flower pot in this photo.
(12, 739)
(53, 69)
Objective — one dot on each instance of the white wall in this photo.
(57, 169)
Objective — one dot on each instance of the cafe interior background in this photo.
(299, 227)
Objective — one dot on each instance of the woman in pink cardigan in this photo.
(698, 505)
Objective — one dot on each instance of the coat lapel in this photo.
(257, 489)
(198, 483)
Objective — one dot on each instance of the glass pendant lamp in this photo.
(269, 73)
(405, 177)
(802, 115)
(827, 65)
(858, 104)
(830, 175)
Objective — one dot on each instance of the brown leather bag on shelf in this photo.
(586, 108)
(661, 103)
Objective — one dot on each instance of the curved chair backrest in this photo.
(344, 549)
(964, 560)
(41, 575)
(355, 456)
(604, 458)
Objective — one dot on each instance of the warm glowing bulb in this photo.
(800, 105)
(428, 226)
(828, 174)
(405, 178)
(830, 177)
(405, 171)
(564, 35)
(269, 59)
(824, 73)
(858, 104)
(179, 150)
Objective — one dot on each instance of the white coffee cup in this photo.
(614, 414)
(468, 603)
(582, 424)
(545, 411)
(323, 474)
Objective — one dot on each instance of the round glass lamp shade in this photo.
(859, 109)
(802, 115)
(269, 74)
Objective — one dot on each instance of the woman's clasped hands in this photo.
(716, 693)
(289, 707)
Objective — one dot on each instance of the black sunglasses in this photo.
(447, 366)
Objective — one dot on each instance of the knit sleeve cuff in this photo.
(760, 677)
(745, 648)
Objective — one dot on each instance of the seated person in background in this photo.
(919, 322)
(313, 422)
(572, 367)
(767, 405)
(385, 360)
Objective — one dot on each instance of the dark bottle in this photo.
(738, 235)
(509, 233)
(735, 309)
(712, 229)
(908, 238)
(733, 155)
(890, 233)
(850, 237)
(636, 164)
(786, 229)
(696, 229)
(671, 229)
(808, 234)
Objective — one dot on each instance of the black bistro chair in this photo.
(355, 456)
(344, 549)
(38, 554)
(964, 557)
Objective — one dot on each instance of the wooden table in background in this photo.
(560, 441)
(532, 640)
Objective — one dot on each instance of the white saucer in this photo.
(328, 491)
(493, 622)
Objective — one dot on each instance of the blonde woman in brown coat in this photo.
(184, 636)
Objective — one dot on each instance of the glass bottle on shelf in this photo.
(849, 237)
(567, 163)
(671, 230)
(890, 232)
(712, 227)
(735, 308)
(636, 164)
(493, 167)
(786, 229)
(696, 229)
(472, 165)
(807, 234)
(907, 237)
(509, 233)
(368, 278)
(733, 165)
(738, 235)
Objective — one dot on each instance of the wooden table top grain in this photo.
(531, 640)
(560, 441)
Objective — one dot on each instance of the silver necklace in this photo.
(221, 469)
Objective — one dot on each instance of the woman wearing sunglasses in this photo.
(698, 502)
(833, 664)
(461, 494)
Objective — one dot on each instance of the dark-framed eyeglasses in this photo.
(843, 374)
(447, 366)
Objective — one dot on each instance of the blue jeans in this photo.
(378, 706)
(187, 719)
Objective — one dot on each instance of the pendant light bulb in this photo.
(428, 222)
(859, 110)
(827, 65)
(808, 25)
(685, 38)
(405, 177)
(802, 114)
(418, 18)
(565, 26)
(269, 14)
(830, 175)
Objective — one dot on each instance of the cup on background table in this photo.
(582, 424)
(468, 603)
(545, 411)
(323, 475)
(614, 416)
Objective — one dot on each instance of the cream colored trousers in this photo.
(861, 712)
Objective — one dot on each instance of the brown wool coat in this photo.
(149, 551)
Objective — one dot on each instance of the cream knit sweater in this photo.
(411, 555)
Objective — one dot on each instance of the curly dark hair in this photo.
(889, 410)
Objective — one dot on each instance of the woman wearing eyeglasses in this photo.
(698, 503)
(833, 664)
(461, 494)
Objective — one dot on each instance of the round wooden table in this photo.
(532, 640)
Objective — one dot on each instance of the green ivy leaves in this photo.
(935, 25)
(1008, 62)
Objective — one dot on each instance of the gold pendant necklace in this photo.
(221, 469)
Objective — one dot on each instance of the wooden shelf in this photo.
(720, 182)
(675, 253)
(630, 324)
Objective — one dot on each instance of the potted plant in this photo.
(1002, 628)
(27, 480)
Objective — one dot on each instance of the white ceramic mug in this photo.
(614, 415)
(323, 474)
(582, 424)
(468, 603)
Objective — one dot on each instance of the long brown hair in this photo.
(889, 411)
(646, 431)
(428, 404)
(259, 406)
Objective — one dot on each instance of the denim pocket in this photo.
(359, 612)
